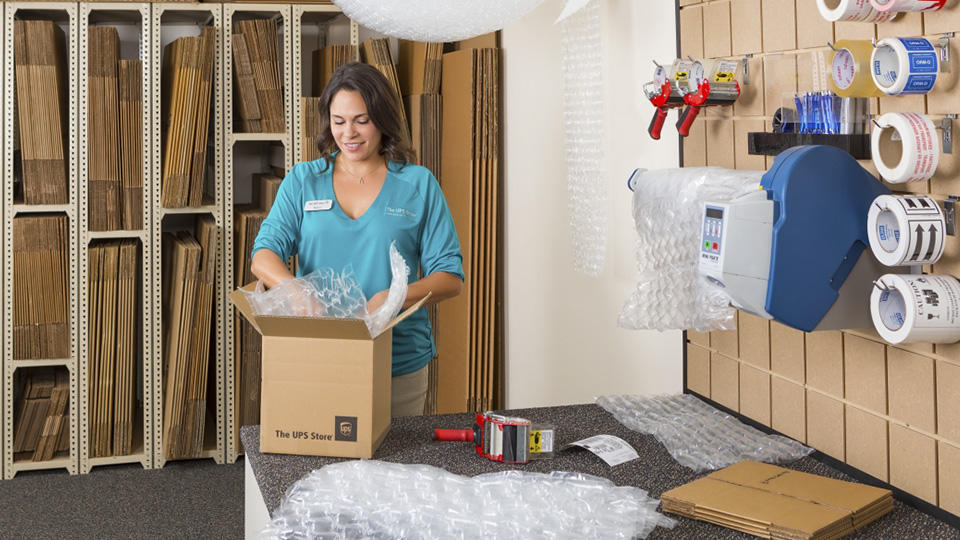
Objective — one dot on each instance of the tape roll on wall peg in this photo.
(916, 308)
(896, 6)
(906, 230)
(917, 154)
(852, 10)
(904, 66)
(851, 75)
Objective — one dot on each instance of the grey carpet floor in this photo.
(185, 499)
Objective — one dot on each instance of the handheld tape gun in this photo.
(503, 438)
(664, 94)
(711, 83)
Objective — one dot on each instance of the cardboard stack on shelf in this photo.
(773, 502)
(41, 109)
(41, 296)
(258, 77)
(113, 320)
(189, 279)
(467, 338)
(420, 68)
(41, 428)
(376, 52)
(131, 144)
(188, 67)
(114, 135)
(325, 62)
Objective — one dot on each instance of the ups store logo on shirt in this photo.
(345, 428)
(398, 211)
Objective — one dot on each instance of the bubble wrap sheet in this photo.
(435, 20)
(325, 293)
(699, 436)
(667, 213)
(376, 499)
(581, 57)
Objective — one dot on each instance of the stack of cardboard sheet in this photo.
(419, 70)
(41, 109)
(103, 125)
(326, 61)
(376, 52)
(188, 67)
(113, 280)
(114, 135)
(310, 128)
(41, 295)
(468, 334)
(258, 77)
(773, 502)
(41, 428)
(188, 290)
(131, 144)
(247, 340)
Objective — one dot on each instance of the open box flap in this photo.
(314, 327)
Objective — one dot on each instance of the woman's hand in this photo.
(377, 300)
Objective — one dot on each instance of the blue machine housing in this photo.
(821, 197)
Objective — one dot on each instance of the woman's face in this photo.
(352, 128)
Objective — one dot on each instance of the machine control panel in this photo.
(711, 237)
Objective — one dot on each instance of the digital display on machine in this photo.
(716, 213)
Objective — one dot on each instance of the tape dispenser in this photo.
(711, 83)
(504, 438)
(664, 94)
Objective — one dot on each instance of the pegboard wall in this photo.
(891, 411)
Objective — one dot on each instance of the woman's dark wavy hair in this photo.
(383, 107)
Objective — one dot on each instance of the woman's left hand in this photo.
(377, 300)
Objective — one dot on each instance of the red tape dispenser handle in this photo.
(687, 117)
(453, 435)
(656, 123)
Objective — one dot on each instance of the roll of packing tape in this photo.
(907, 5)
(851, 75)
(919, 147)
(906, 230)
(904, 66)
(852, 10)
(916, 308)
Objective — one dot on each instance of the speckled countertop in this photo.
(411, 441)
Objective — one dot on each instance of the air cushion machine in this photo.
(795, 251)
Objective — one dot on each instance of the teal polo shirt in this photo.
(410, 209)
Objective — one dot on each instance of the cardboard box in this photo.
(325, 388)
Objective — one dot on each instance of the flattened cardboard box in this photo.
(325, 387)
(773, 502)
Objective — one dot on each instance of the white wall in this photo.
(563, 344)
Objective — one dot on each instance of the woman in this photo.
(349, 205)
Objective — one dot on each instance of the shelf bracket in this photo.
(746, 68)
(944, 45)
(950, 215)
(946, 133)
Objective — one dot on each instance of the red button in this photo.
(714, 245)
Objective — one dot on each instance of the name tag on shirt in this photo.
(313, 206)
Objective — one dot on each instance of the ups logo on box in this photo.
(345, 428)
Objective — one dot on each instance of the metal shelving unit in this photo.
(62, 13)
(200, 15)
(232, 12)
(316, 15)
(125, 13)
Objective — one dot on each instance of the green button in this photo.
(706, 244)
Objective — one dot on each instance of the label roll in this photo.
(896, 6)
(904, 66)
(917, 154)
(906, 230)
(852, 10)
(916, 308)
(850, 71)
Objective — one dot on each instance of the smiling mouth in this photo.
(351, 146)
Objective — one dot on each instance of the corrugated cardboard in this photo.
(913, 462)
(866, 436)
(788, 409)
(698, 370)
(754, 394)
(825, 427)
(326, 384)
(948, 401)
(773, 502)
(948, 457)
